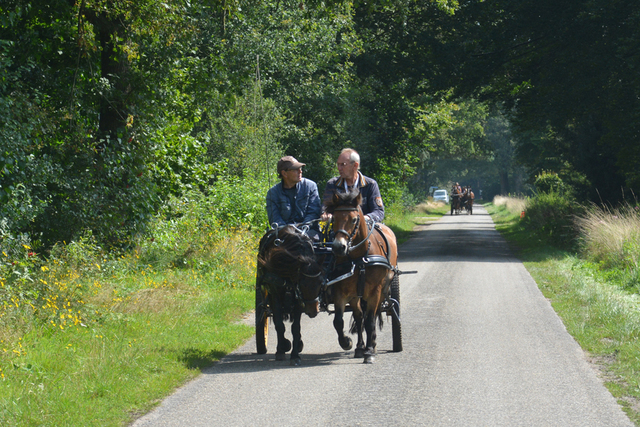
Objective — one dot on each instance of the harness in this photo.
(288, 284)
(361, 263)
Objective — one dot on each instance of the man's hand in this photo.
(326, 216)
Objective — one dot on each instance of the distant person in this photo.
(351, 178)
(456, 189)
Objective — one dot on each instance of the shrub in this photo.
(551, 216)
(547, 182)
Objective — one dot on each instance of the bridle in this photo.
(351, 235)
(299, 292)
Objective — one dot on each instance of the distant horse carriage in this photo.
(356, 271)
(461, 199)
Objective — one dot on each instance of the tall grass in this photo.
(402, 220)
(584, 289)
(611, 238)
(515, 205)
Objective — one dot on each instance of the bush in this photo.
(551, 216)
(547, 182)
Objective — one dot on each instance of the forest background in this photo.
(110, 108)
(138, 140)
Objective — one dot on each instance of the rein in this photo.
(351, 235)
(355, 228)
(367, 260)
(366, 239)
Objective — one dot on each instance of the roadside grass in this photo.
(106, 339)
(402, 221)
(599, 311)
(97, 339)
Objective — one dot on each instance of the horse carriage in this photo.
(354, 271)
(462, 199)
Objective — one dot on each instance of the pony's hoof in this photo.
(346, 343)
(369, 359)
(359, 353)
(295, 362)
(280, 357)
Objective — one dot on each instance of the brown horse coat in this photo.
(375, 253)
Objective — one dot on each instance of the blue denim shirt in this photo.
(306, 206)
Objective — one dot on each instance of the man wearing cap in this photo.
(294, 199)
(350, 178)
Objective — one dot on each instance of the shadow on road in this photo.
(244, 363)
(469, 244)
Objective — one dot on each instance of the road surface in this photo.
(482, 347)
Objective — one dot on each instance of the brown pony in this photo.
(288, 282)
(372, 253)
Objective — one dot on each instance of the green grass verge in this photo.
(601, 315)
(113, 337)
(139, 345)
(403, 221)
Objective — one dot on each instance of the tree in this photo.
(567, 70)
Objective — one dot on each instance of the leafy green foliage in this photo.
(547, 182)
(578, 107)
(551, 216)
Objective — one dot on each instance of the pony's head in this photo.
(347, 219)
(290, 255)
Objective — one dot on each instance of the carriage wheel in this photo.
(262, 321)
(396, 326)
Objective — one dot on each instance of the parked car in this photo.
(441, 195)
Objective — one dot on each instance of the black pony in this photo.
(288, 282)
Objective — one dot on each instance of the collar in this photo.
(296, 186)
(360, 182)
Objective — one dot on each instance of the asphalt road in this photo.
(482, 347)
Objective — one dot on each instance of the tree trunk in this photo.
(504, 182)
(110, 31)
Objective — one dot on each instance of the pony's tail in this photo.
(352, 325)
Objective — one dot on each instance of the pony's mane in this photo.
(344, 199)
(293, 251)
